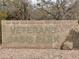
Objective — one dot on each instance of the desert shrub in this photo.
(3, 15)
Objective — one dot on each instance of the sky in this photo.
(35, 1)
(73, 1)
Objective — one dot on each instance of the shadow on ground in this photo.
(0, 34)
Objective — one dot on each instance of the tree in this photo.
(21, 12)
(43, 9)
(15, 9)
(59, 10)
(63, 9)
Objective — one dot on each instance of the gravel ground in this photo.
(38, 54)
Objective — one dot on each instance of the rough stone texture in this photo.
(38, 54)
(53, 34)
(72, 40)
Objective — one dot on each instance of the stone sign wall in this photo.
(35, 34)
